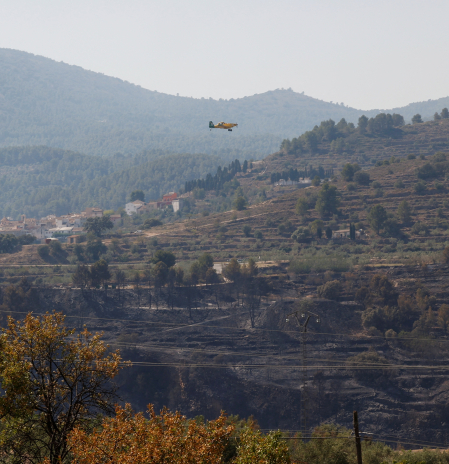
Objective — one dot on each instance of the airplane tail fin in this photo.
(211, 125)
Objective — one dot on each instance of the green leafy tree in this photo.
(232, 271)
(98, 225)
(167, 257)
(316, 181)
(417, 119)
(363, 123)
(362, 178)
(99, 273)
(377, 217)
(436, 117)
(137, 195)
(302, 206)
(347, 172)
(404, 212)
(240, 203)
(95, 248)
(330, 290)
(327, 201)
(445, 113)
(247, 230)
(53, 380)
(212, 277)
(420, 187)
(43, 251)
(398, 120)
(81, 277)
(55, 247)
(149, 223)
(255, 447)
(328, 232)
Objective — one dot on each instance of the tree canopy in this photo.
(52, 382)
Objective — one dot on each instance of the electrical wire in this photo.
(288, 367)
(357, 337)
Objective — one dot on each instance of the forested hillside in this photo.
(38, 181)
(43, 102)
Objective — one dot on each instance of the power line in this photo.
(204, 324)
(284, 366)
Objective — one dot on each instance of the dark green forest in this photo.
(37, 181)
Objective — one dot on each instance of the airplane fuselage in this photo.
(222, 125)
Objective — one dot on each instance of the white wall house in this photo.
(133, 207)
(177, 204)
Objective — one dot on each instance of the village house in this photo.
(345, 233)
(93, 212)
(115, 219)
(170, 196)
(134, 207)
(177, 204)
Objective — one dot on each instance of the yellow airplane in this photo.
(222, 125)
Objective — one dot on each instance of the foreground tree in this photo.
(52, 382)
(168, 438)
(255, 447)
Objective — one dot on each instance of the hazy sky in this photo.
(367, 54)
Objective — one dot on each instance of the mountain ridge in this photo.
(44, 102)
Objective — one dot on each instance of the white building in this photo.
(177, 204)
(133, 207)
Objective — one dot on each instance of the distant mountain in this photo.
(43, 102)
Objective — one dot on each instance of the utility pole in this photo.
(305, 315)
(358, 443)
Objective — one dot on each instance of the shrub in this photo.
(411, 156)
(404, 211)
(330, 290)
(420, 188)
(420, 228)
(399, 184)
(362, 178)
(357, 364)
(151, 223)
(391, 228)
(246, 230)
(258, 234)
(55, 247)
(300, 234)
(376, 185)
(427, 171)
(240, 203)
(302, 206)
(417, 119)
(316, 181)
(351, 187)
(439, 157)
(43, 251)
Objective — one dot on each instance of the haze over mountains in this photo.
(43, 102)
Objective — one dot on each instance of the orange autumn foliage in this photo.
(167, 438)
